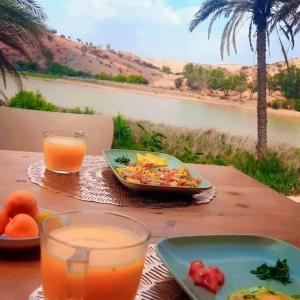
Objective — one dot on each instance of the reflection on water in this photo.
(164, 110)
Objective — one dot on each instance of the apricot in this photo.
(3, 220)
(21, 202)
(22, 226)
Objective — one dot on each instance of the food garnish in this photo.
(210, 278)
(279, 272)
(124, 160)
(260, 293)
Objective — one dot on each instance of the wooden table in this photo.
(242, 205)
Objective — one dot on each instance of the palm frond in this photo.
(272, 14)
(208, 8)
(7, 68)
(283, 50)
(250, 35)
(21, 28)
(34, 7)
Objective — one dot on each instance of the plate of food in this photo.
(151, 171)
(233, 267)
(20, 220)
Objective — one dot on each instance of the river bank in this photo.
(163, 106)
(185, 95)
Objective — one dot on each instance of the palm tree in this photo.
(263, 17)
(21, 27)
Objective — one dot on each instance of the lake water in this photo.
(163, 110)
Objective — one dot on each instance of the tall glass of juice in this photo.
(64, 151)
(92, 256)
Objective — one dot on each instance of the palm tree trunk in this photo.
(261, 145)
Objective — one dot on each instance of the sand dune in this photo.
(89, 58)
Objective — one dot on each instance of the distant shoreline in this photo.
(172, 94)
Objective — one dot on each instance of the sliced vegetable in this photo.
(195, 266)
(210, 278)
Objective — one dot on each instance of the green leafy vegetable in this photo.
(279, 272)
(124, 160)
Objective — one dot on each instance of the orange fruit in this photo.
(21, 202)
(3, 220)
(22, 226)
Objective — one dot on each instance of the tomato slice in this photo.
(219, 275)
(211, 278)
(207, 279)
(195, 266)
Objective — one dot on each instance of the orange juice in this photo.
(108, 271)
(64, 154)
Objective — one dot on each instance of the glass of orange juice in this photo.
(92, 256)
(64, 151)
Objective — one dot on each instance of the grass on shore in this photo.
(36, 101)
(279, 169)
(41, 75)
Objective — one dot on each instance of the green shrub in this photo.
(297, 105)
(166, 69)
(41, 75)
(137, 79)
(31, 100)
(277, 103)
(150, 140)
(120, 78)
(269, 170)
(123, 136)
(27, 66)
(77, 110)
(189, 156)
(104, 76)
(178, 82)
(36, 101)
(56, 68)
(289, 103)
(289, 82)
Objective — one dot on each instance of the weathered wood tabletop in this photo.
(242, 206)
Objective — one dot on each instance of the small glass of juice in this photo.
(92, 256)
(64, 151)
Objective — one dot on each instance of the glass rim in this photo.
(48, 234)
(76, 134)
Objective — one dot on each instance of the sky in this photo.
(150, 28)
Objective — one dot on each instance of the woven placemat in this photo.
(96, 182)
(156, 282)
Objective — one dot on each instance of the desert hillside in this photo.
(92, 59)
(89, 58)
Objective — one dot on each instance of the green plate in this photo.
(112, 154)
(235, 255)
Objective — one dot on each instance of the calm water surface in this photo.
(163, 110)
